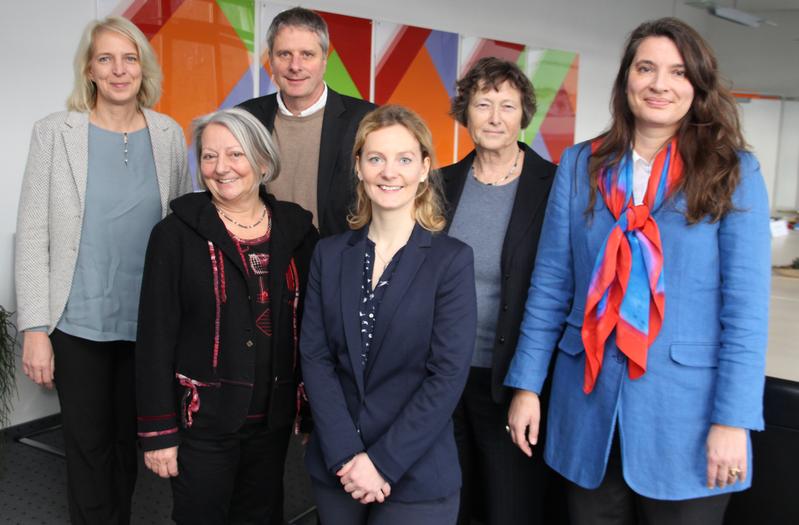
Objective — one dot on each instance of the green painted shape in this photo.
(522, 60)
(338, 78)
(547, 79)
(522, 63)
(241, 15)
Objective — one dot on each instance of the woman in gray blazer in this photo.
(98, 177)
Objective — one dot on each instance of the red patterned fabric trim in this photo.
(223, 287)
(293, 285)
(156, 418)
(191, 399)
(158, 433)
(217, 298)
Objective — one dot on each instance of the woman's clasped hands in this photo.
(362, 481)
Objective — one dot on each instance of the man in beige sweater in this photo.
(313, 125)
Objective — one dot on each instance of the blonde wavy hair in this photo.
(427, 207)
(84, 93)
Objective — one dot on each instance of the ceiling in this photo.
(765, 59)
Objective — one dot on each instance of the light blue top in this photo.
(706, 365)
(481, 221)
(122, 206)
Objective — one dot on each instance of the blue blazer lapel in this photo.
(350, 286)
(413, 256)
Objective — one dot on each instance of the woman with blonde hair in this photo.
(98, 177)
(386, 339)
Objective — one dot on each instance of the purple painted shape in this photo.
(266, 85)
(443, 50)
(540, 147)
(193, 168)
(241, 91)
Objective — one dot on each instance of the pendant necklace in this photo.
(503, 179)
(245, 226)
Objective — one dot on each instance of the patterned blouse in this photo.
(254, 255)
(371, 298)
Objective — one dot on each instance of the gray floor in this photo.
(33, 487)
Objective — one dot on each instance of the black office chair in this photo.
(774, 496)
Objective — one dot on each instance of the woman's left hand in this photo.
(726, 456)
(362, 481)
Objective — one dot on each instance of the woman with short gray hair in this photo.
(216, 358)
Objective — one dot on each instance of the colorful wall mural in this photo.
(213, 56)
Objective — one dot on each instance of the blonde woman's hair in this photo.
(255, 141)
(427, 206)
(84, 93)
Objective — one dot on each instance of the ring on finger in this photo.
(507, 429)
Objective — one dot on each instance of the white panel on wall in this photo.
(786, 187)
(760, 119)
(37, 45)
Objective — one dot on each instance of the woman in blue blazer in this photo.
(386, 340)
(654, 257)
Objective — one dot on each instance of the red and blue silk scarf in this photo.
(626, 291)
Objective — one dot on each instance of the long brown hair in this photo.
(709, 135)
(427, 206)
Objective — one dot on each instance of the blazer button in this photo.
(249, 343)
(507, 276)
(502, 339)
(505, 307)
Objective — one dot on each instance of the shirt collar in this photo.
(313, 108)
(639, 161)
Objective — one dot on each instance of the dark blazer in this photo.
(335, 181)
(398, 410)
(185, 293)
(518, 250)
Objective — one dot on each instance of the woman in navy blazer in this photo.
(652, 400)
(385, 363)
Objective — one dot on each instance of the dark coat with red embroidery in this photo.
(182, 288)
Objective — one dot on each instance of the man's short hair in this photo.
(299, 17)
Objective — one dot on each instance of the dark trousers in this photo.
(497, 476)
(95, 383)
(336, 507)
(231, 479)
(614, 503)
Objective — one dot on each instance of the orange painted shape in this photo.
(421, 90)
(570, 83)
(558, 126)
(758, 96)
(202, 58)
(465, 144)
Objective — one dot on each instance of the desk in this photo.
(772, 498)
(782, 358)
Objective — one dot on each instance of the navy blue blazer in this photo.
(398, 409)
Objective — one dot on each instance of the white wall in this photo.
(786, 185)
(37, 42)
(760, 119)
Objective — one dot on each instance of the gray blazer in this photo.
(52, 202)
